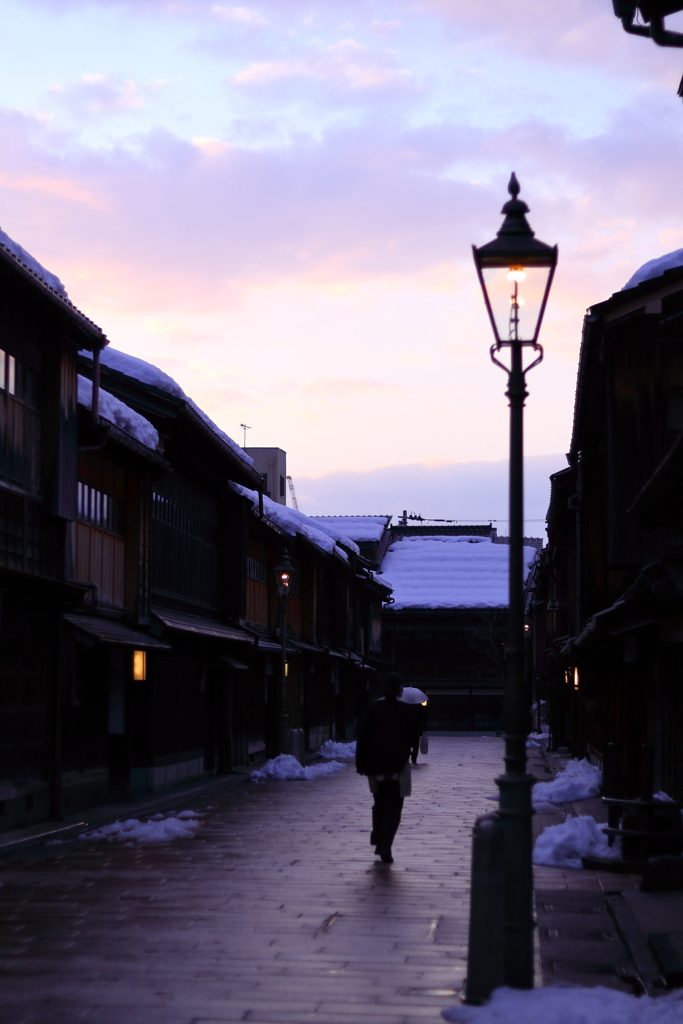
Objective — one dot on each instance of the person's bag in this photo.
(424, 745)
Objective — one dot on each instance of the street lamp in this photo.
(284, 579)
(515, 272)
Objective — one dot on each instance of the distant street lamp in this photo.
(284, 579)
(515, 272)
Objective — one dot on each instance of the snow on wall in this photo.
(449, 572)
(18, 251)
(358, 528)
(293, 522)
(119, 414)
(147, 373)
(655, 268)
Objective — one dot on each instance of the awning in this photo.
(232, 663)
(200, 626)
(91, 631)
(303, 646)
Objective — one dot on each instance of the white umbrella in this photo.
(411, 695)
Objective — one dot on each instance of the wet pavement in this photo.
(277, 911)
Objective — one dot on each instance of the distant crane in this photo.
(295, 501)
(245, 428)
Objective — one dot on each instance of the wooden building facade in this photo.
(607, 606)
(139, 642)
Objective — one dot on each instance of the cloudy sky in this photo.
(276, 203)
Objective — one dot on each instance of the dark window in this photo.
(99, 509)
(19, 423)
(257, 570)
(167, 511)
(184, 555)
(282, 487)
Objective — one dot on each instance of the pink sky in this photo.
(275, 203)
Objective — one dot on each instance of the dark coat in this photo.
(385, 737)
(420, 714)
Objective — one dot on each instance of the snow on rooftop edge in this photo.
(46, 276)
(147, 373)
(293, 522)
(358, 528)
(655, 268)
(449, 572)
(120, 414)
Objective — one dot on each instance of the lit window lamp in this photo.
(139, 665)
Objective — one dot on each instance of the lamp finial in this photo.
(513, 186)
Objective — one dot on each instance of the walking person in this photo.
(386, 736)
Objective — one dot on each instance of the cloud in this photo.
(344, 387)
(385, 28)
(346, 64)
(243, 15)
(92, 95)
(465, 491)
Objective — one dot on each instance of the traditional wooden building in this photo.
(608, 598)
(444, 631)
(41, 332)
(139, 627)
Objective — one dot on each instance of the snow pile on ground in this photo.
(537, 739)
(358, 528)
(570, 1004)
(119, 414)
(286, 767)
(293, 522)
(449, 572)
(578, 781)
(563, 846)
(147, 373)
(51, 280)
(159, 828)
(655, 268)
(332, 749)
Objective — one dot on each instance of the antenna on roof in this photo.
(245, 428)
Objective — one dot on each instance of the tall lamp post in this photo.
(515, 272)
(284, 579)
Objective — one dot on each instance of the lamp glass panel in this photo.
(516, 295)
(139, 665)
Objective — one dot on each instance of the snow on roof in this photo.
(147, 373)
(20, 254)
(358, 528)
(292, 522)
(121, 415)
(655, 268)
(449, 572)
(50, 281)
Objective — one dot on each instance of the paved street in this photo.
(276, 912)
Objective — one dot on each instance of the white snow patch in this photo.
(663, 797)
(332, 749)
(358, 528)
(121, 415)
(563, 846)
(293, 522)
(570, 1004)
(286, 767)
(655, 268)
(147, 373)
(578, 781)
(154, 830)
(537, 739)
(449, 572)
(51, 280)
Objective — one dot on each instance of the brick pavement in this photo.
(277, 911)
